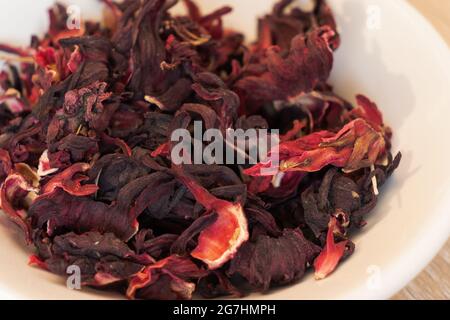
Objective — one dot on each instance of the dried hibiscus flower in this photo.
(330, 256)
(218, 242)
(87, 119)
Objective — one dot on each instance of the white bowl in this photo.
(390, 53)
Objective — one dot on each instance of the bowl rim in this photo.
(436, 232)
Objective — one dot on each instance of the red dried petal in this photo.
(67, 181)
(75, 60)
(259, 184)
(13, 101)
(355, 146)
(265, 35)
(163, 150)
(368, 111)
(13, 189)
(15, 50)
(193, 10)
(170, 39)
(144, 278)
(218, 243)
(296, 129)
(102, 279)
(69, 34)
(118, 142)
(34, 260)
(315, 160)
(5, 161)
(284, 184)
(179, 269)
(45, 56)
(44, 168)
(309, 62)
(331, 254)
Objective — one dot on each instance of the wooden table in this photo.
(434, 281)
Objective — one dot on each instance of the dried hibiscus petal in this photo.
(34, 260)
(70, 181)
(5, 164)
(309, 62)
(163, 150)
(75, 60)
(16, 192)
(45, 167)
(171, 276)
(356, 145)
(331, 254)
(274, 261)
(219, 242)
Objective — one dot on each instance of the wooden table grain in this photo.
(434, 281)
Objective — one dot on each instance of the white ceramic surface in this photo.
(404, 66)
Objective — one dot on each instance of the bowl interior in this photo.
(389, 53)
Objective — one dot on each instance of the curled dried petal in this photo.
(70, 182)
(330, 256)
(219, 242)
(14, 191)
(45, 168)
(179, 271)
(309, 62)
(356, 145)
